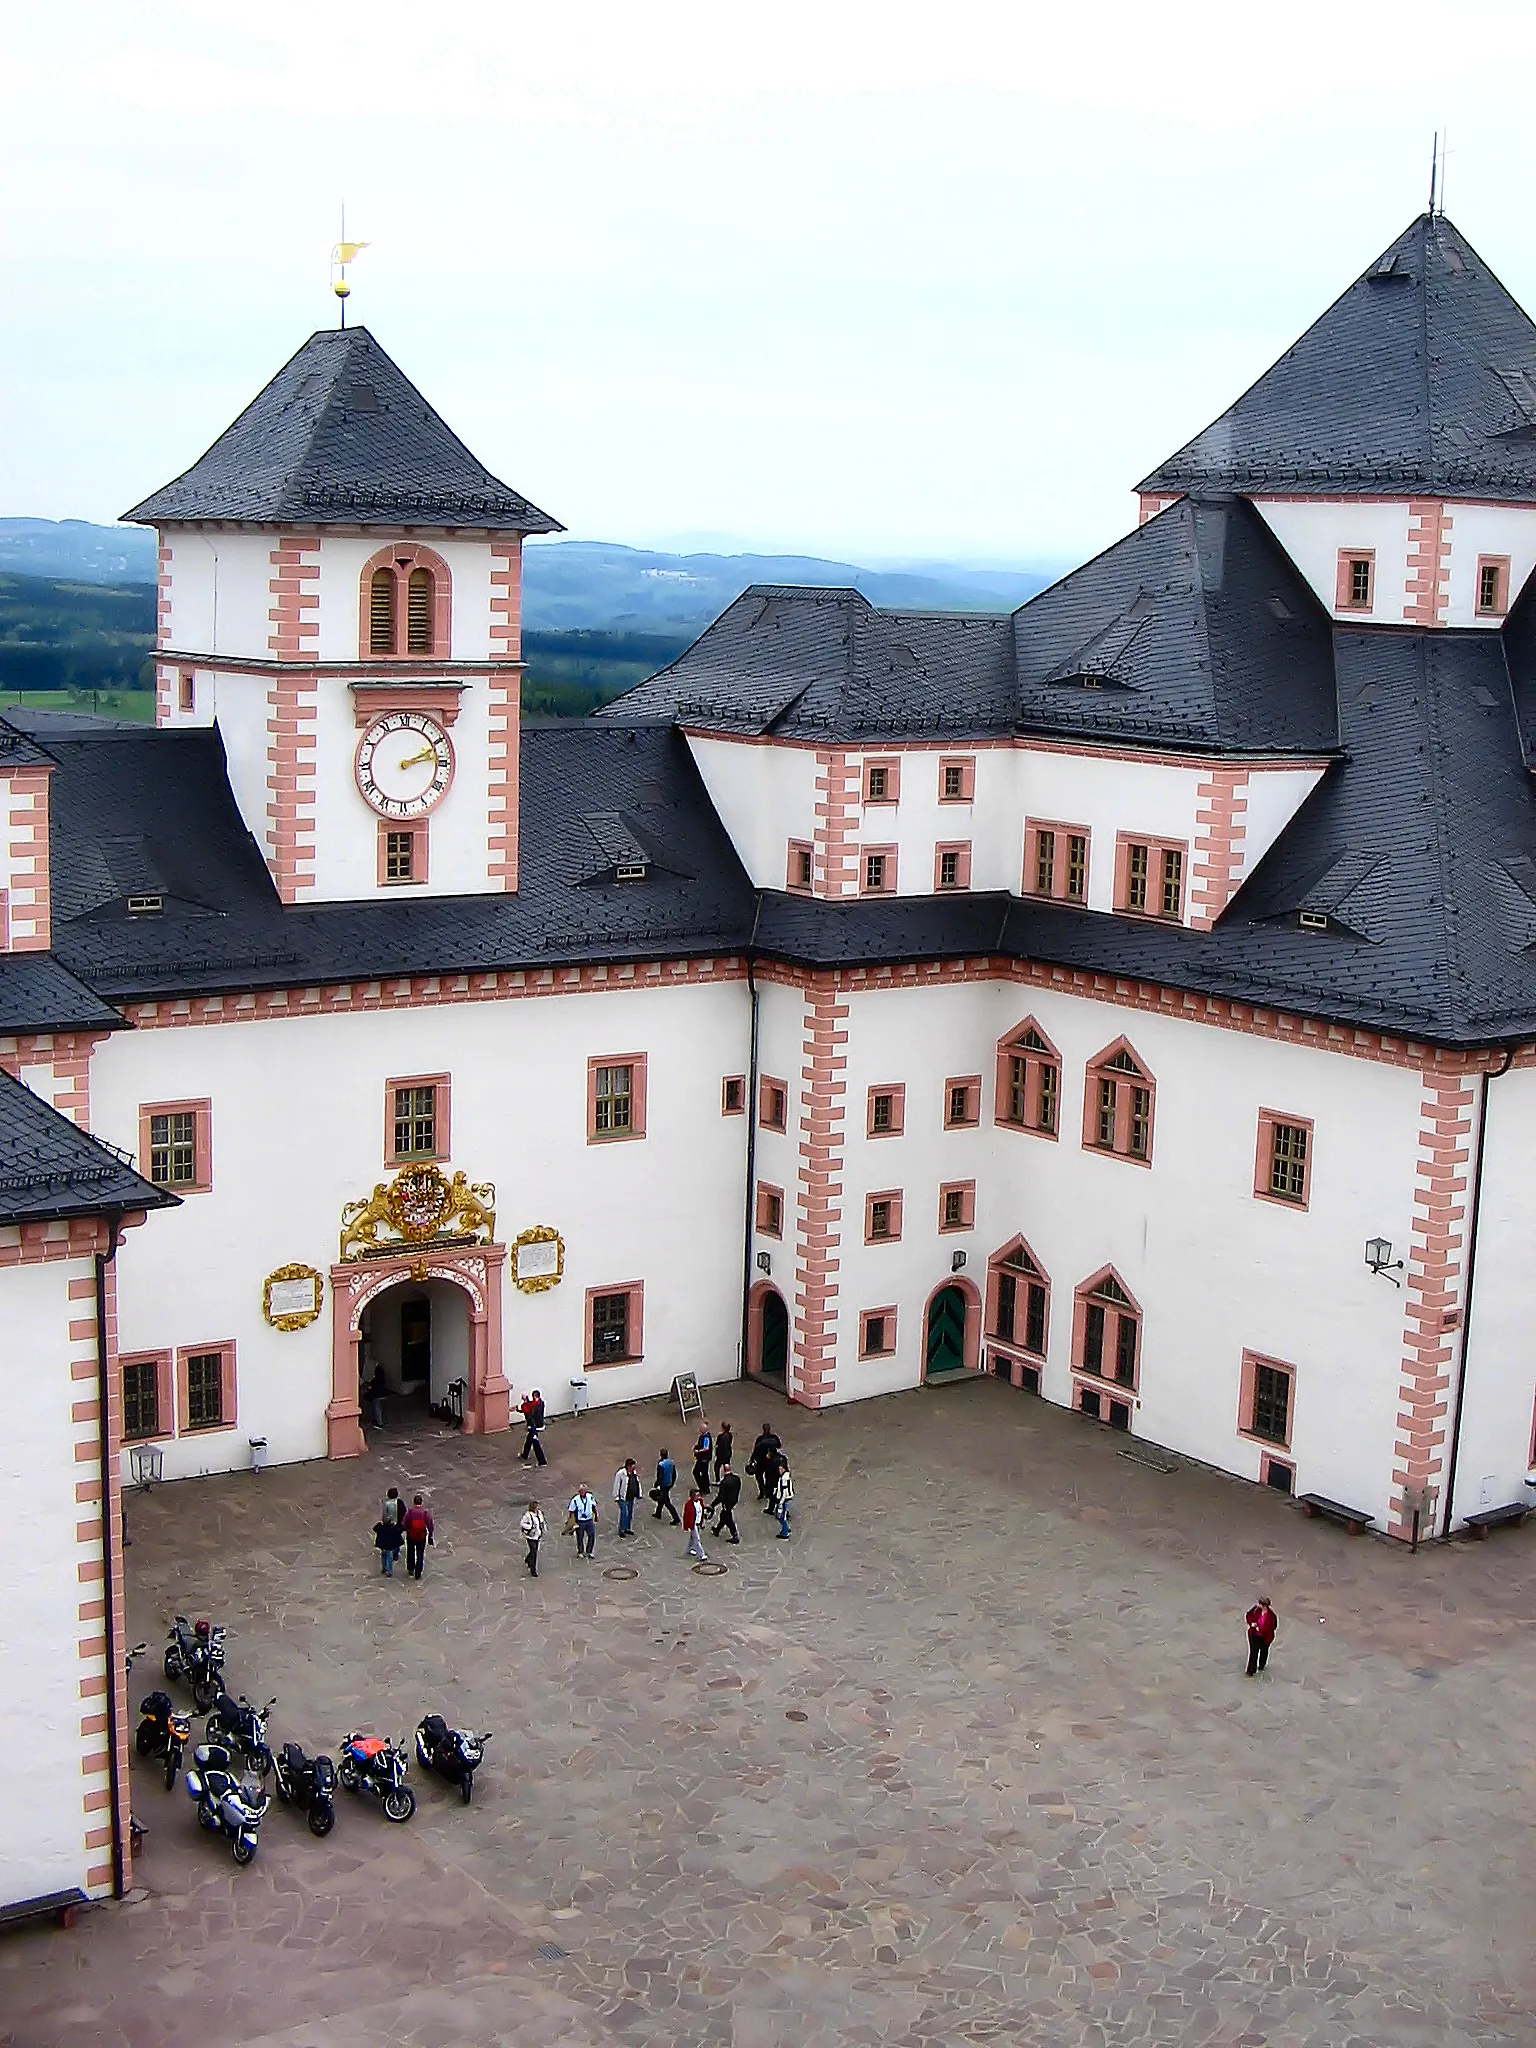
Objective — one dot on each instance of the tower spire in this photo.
(343, 253)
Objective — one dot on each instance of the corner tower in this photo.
(340, 593)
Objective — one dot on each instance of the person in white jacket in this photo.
(532, 1528)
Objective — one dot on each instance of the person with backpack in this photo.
(661, 1492)
(783, 1494)
(420, 1530)
(531, 1528)
(531, 1408)
(701, 1456)
(693, 1521)
(727, 1493)
(626, 1491)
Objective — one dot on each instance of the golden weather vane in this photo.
(343, 253)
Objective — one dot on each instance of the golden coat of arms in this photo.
(419, 1206)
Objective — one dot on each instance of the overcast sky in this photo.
(873, 281)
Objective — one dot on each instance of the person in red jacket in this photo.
(419, 1532)
(1262, 1623)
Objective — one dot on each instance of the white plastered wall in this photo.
(1478, 530)
(220, 590)
(765, 796)
(342, 559)
(1313, 530)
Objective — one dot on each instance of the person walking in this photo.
(532, 1530)
(701, 1455)
(626, 1491)
(394, 1507)
(774, 1462)
(420, 1530)
(723, 1449)
(767, 1444)
(378, 1387)
(584, 1514)
(693, 1521)
(1262, 1624)
(388, 1535)
(727, 1493)
(531, 1407)
(783, 1494)
(661, 1492)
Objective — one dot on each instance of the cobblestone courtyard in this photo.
(971, 1759)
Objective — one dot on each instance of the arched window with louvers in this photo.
(407, 605)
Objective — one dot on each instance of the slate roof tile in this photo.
(51, 1170)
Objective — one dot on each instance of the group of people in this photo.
(403, 1528)
(715, 1496)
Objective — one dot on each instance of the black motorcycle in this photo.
(239, 1725)
(308, 1782)
(454, 1753)
(229, 1802)
(373, 1766)
(195, 1653)
(163, 1732)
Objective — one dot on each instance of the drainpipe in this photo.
(1466, 1300)
(750, 1207)
(108, 1548)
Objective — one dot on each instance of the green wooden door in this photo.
(774, 1363)
(946, 1333)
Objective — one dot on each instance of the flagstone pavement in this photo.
(971, 1758)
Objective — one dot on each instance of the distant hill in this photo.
(74, 636)
(77, 551)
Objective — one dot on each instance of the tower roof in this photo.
(1421, 378)
(341, 437)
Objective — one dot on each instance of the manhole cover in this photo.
(621, 1571)
(552, 1952)
(711, 1571)
(795, 1714)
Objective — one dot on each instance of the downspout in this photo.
(1466, 1300)
(749, 1206)
(104, 1434)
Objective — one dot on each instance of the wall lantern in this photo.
(146, 1462)
(1378, 1256)
(957, 1262)
(765, 1262)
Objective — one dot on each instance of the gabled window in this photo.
(1018, 1299)
(1107, 1330)
(1029, 1081)
(1118, 1102)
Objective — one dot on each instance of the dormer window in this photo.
(630, 871)
(145, 906)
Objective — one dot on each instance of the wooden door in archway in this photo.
(774, 1360)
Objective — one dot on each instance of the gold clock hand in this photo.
(426, 754)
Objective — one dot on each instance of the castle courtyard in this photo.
(972, 1758)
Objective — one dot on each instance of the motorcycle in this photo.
(372, 1765)
(163, 1732)
(454, 1753)
(239, 1725)
(228, 1802)
(195, 1653)
(308, 1782)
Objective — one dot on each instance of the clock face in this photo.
(404, 764)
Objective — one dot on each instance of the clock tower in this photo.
(340, 594)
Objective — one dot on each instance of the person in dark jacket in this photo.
(723, 1449)
(388, 1535)
(661, 1492)
(701, 1455)
(727, 1493)
(758, 1464)
(1262, 1624)
(532, 1410)
(420, 1530)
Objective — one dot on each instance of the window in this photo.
(1056, 861)
(1283, 1165)
(770, 1210)
(1355, 590)
(418, 612)
(416, 1118)
(1019, 1299)
(175, 1145)
(402, 853)
(615, 1097)
(733, 1095)
(186, 690)
(1276, 1473)
(614, 1317)
(381, 612)
(1118, 1102)
(773, 1104)
(962, 1102)
(887, 1114)
(877, 1333)
(952, 866)
(1150, 876)
(407, 603)
(205, 1387)
(882, 782)
(148, 1396)
(1492, 586)
(801, 870)
(957, 1205)
(957, 780)
(1029, 1081)
(882, 1217)
(1107, 1331)
(879, 870)
(1267, 1400)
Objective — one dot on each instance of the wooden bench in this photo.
(1354, 1519)
(1490, 1518)
(61, 1906)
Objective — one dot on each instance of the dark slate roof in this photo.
(1421, 378)
(38, 993)
(50, 1170)
(1195, 630)
(341, 436)
(20, 750)
(592, 798)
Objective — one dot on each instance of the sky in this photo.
(884, 283)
